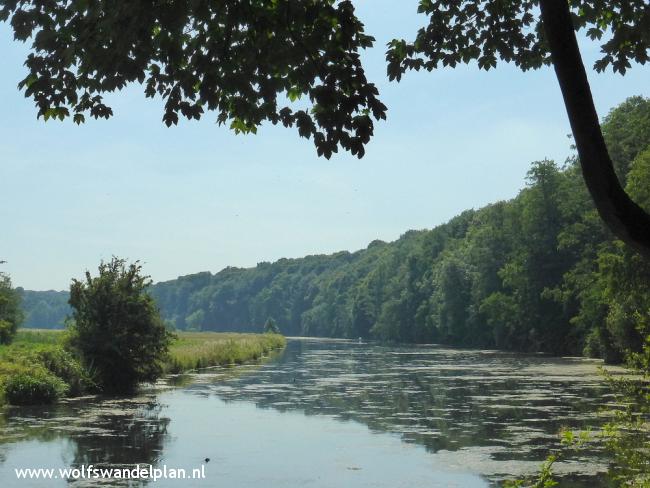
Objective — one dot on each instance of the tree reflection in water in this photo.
(503, 408)
(497, 413)
(115, 432)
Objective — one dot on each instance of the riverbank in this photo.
(196, 350)
(36, 368)
(494, 413)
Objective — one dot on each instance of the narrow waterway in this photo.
(327, 413)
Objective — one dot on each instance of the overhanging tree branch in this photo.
(627, 220)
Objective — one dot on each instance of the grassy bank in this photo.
(195, 350)
(36, 368)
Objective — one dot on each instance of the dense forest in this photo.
(539, 272)
(44, 309)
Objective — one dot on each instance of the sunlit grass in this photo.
(38, 336)
(36, 368)
(37, 361)
(195, 350)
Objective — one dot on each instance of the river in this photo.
(326, 413)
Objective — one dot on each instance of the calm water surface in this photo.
(329, 414)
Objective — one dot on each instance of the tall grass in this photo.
(39, 336)
(37, 368)
(196, 350)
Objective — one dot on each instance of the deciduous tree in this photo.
(248, 60)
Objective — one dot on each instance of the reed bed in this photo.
(196, 350)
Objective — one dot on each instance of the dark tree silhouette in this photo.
(533, 33)
(625, 218)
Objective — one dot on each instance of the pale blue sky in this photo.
(197, 197)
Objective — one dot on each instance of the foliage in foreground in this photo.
(543, 480)
(545, 477)
(116, 327)
(627, 434)
(625, 437)
(625, 285)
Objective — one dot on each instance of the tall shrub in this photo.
(116, 326)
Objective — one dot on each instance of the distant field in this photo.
(41, 351)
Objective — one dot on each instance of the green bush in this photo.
(43, 361)
(54, 358)
(116, 327)
(33, 387)
(64, 365)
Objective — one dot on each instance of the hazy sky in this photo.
(197, 197)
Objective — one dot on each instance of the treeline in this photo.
(44, 309)
(536, 273)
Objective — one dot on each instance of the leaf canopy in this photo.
(296, 62)
(486, 31)
(247, 60)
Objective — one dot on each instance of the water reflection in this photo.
(476, 412)
(499, 412)
(97, 431)
(106, 432)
